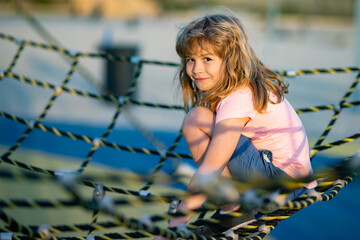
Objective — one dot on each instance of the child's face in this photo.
(204, 67)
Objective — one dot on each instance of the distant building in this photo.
(115, 8)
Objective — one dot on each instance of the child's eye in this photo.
(207, 59)
(189, 60)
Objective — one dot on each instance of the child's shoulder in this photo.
(237, 97)
(239, 93)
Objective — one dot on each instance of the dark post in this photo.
(119, 74)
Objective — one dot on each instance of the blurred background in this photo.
(285, 34)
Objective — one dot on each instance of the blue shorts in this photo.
(248, 162)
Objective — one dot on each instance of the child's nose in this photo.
(197, 68)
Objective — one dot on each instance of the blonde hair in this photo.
(240, 67)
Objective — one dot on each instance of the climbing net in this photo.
(259, 195)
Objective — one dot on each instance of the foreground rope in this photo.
(331, 181)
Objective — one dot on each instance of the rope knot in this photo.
(146, 220)
(144, 194)
(290, 73)
(231, 233)
(73, 52)
(6, 236)
(314, 193)
(183, 229)
(98, 193)
(58, 90)
(336, 108)
(44, 232)
(19, 40)
(163, 153)
(264, 228)
(90, 237)
(96, 142)
(134, 59)
(31, 124)
(339, 182)
(121, 100)
(173, 206)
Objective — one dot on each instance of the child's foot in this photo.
(225, 223)
(231, 207)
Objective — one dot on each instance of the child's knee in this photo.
(197, 115)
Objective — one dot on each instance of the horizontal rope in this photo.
(295, 72)
(114, 99)
(91, 140)
(111, 57)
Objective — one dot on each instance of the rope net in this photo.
(104, 193)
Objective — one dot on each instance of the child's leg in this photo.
(198, 127)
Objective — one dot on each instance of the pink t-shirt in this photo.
(278, 129)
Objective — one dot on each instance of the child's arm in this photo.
(225, 137)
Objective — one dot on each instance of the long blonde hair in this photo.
(227, 38)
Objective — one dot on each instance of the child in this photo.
(240, 124)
